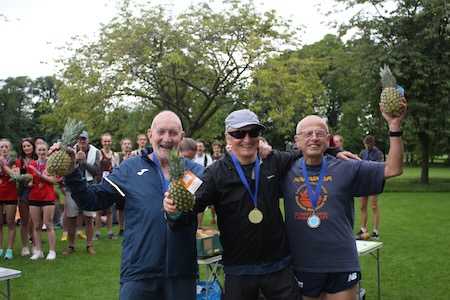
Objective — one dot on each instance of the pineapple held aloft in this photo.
(58, 163)
(392, 94)
(182, 198)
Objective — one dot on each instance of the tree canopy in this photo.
(195, 63)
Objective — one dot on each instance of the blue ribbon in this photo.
(244, 180)
(314, 197)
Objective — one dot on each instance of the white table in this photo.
(213, 265)
(8, 274)
(372, 248)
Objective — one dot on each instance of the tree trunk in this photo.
(425, 165)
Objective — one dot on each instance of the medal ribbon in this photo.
(369, 154)
(6, 163)
(39, 165)
(244, 180)
(314, 197)
(164, 180)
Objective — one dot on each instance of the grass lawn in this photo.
(413, 228)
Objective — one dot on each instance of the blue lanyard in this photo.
(369, 154)
(164, 180)
(314, 197)
(244, 180)
(39, 165)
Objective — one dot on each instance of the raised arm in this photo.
(394, 162)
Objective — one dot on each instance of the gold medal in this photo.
(40, 185)
(313, 221)
(255, 216)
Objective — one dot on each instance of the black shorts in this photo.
(277, 285)
(120, 204)
(314, 284)
(41, 203)
(8, 202)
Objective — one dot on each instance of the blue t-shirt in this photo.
(331, 247)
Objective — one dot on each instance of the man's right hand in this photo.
(169, 206)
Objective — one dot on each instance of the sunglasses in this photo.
(240, 134)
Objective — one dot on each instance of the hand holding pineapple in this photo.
(61, 161)
(169, 205)
(69, 158)
(394, 121)
(183, 199)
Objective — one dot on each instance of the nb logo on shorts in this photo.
(352, 276)
(142, 171)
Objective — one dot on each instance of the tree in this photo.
(415, 40)
(284, 90)
(16, 108)
(196, 64)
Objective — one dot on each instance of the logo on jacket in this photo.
(142, 171)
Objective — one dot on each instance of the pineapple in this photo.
(391, 96)
(22, 177)
(59, 161)
(182, 198)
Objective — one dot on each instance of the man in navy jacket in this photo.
(157, 262)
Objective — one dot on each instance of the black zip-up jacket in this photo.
(243, 242)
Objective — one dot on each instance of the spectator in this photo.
(126, 146)
(338, 141)
(205, 160)
(217, 151)
(141, 141)
(8, 195)
(370, 153)
(188, 148)
(108, 160)
(87, 159)
(201, 157)
(42, 203)
(27, 154)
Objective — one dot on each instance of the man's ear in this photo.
(149, 134)
(228, 138)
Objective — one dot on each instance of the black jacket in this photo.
(243, 242)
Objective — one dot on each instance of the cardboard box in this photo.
(209, 246)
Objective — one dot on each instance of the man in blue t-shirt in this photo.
(319, 193)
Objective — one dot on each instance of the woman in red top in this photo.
(42, 203)
(27, 154)
(8, 195)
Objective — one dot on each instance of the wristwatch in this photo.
(396, 133)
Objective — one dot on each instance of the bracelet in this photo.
(396, 133)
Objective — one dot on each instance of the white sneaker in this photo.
(37, 255)
(51, 255)
(25, 251)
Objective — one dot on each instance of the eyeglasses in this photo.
(240, 134)
(318, 133)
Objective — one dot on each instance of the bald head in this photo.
(311, 121)
(166, 116)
